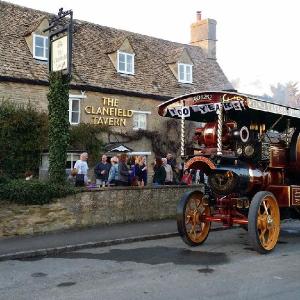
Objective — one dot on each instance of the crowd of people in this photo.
(123, 170)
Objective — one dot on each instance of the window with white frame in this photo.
(185, 73)
(40, 47)
(74, 110)
(139, 120)
(125, 63)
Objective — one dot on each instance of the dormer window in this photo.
(40, 47)
(185, 73)
(125, 63)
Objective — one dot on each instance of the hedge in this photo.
(33, 192)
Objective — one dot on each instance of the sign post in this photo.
(60, 69)
(60, 42)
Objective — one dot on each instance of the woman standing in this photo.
(159, 176)
(141, 170)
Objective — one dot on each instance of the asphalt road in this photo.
(225, 267)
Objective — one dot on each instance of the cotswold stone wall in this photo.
(104, 206)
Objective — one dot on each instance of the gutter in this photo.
(87, 87)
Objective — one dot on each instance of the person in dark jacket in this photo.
(133, 179)
(101, 171)
(159, 176)
(124, 171)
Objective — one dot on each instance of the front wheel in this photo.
(263, 222)
(191, 213)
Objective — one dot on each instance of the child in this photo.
(186, 178)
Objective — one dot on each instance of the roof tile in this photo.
(91, 63)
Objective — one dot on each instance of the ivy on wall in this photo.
(23, 136)
(87, 137)
(58, 105)
(164, 141)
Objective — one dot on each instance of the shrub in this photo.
(23, 135)
(4, 179)
(33, 192)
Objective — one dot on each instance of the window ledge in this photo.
(41, 60)
(126, 75)
(136, 129)
(185, 83)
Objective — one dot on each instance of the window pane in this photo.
(188, 73)
(39, 41)
(122, 58)
(46, 48)
(75, 105)
(143, 123)
(129, 58)
(75, 117)
(129, 68)
(181, 72)
(139, 121)
(39, 52)
(188, 70)
(68, 164)
(122, 62)
(129, 63)
(122, 66)
(135, 121)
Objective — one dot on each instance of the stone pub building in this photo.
(118, 78)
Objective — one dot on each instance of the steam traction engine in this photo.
(249, 150)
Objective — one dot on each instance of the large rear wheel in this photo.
(263, 222)
(191, 224)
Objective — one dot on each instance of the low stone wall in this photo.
(103, 206)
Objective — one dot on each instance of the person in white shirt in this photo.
(169, 171)
(82, 167)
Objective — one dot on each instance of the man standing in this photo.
(81, 170)
(101, 171)
(169, 172)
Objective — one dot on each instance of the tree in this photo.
(286, 94)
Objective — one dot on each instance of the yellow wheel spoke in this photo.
(188, 219)
(192, 231)
(265, 207)
(262, 236)
(262, 221)
(199, 203)
(202, 210)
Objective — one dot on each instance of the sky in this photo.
(258, 40)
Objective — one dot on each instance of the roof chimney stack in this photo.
(198, 15)
(203, 34)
